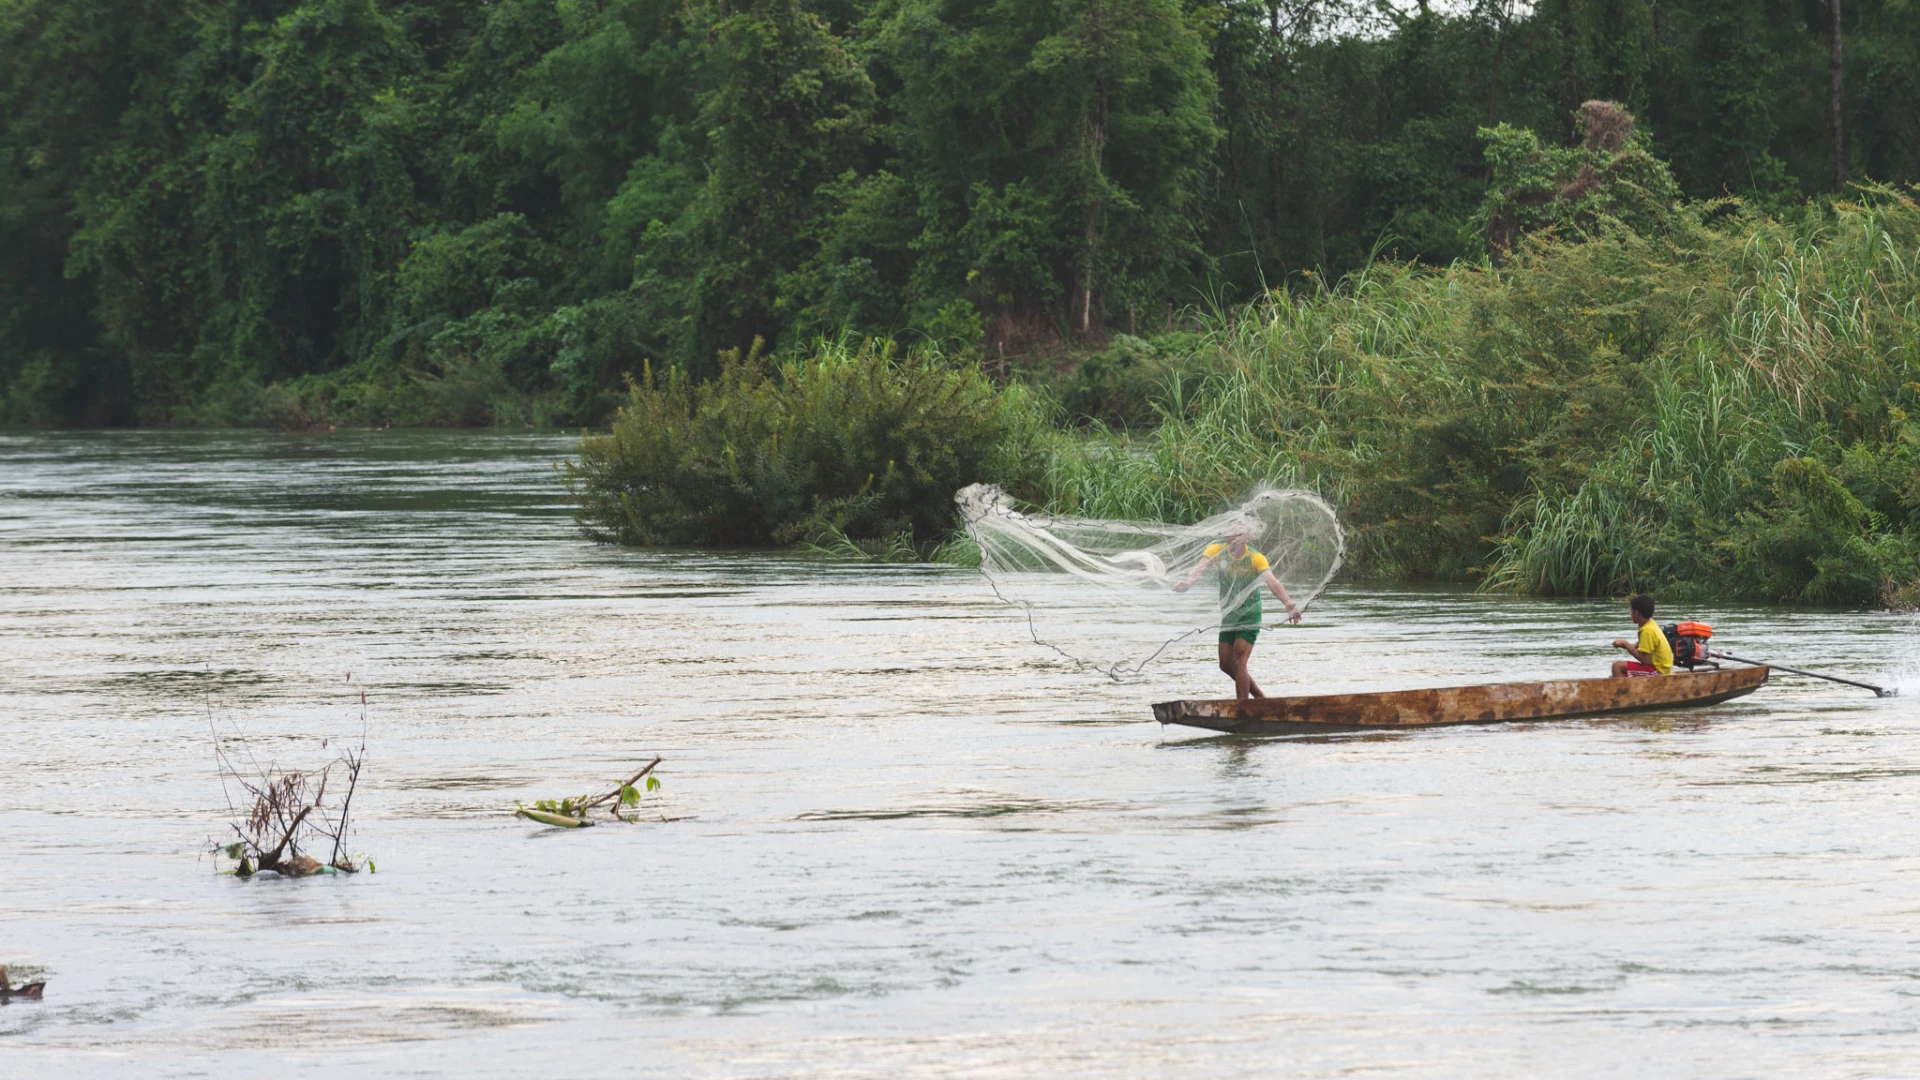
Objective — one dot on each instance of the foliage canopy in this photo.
(302, 212)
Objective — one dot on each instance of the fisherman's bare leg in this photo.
(1242, 652)
(1233, 661)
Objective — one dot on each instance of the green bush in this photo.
(1612, 175)
(1131, 382)
(849, 443)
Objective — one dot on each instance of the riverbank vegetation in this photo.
(1722, 406)
(1564, 297)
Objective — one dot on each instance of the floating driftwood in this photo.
(29, 992)
(572, 813)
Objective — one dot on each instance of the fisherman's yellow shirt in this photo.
(1239, 587)
(1654, 644)
(1250, 565)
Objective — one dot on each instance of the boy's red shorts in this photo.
(1636, 668)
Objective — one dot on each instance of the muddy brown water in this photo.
(905, 841)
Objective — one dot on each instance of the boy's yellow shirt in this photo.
(1654, 644)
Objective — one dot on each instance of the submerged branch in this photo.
(572, 813)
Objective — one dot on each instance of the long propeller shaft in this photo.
(1879, 691)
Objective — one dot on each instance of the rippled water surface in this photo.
(903, 840)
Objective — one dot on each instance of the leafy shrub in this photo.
(1131, 382)
(1611, 175)
(850, 443)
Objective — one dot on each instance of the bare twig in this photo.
(353, 780)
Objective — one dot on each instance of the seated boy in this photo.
(1652, 655)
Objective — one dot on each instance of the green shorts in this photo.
(1246, 634)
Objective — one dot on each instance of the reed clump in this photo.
(1719, 407)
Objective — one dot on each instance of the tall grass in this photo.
(1722, 409)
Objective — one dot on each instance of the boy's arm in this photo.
(1280, 594)
(1633, 651)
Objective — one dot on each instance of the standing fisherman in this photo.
(1241, 571)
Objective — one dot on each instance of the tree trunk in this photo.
(1834, 86)
(1096, 152)
(1093, 209)
(1493, 76)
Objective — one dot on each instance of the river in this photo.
(899, 838)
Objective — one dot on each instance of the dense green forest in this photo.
(436, 212)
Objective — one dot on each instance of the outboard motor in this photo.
(1689, 642)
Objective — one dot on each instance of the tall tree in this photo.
(1083, 124)
(790, 111)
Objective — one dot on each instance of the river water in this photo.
(902, 840)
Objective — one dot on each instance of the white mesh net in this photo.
(1118, 595)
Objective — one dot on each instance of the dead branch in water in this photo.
(289, 808)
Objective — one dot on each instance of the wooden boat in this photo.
(1493, 703)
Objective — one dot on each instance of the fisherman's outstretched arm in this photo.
(1193, 575)
(1280, 594)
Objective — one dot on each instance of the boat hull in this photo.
(1492, 703)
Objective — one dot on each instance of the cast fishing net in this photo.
(1109, 593)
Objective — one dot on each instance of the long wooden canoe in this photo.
(1493, 703)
